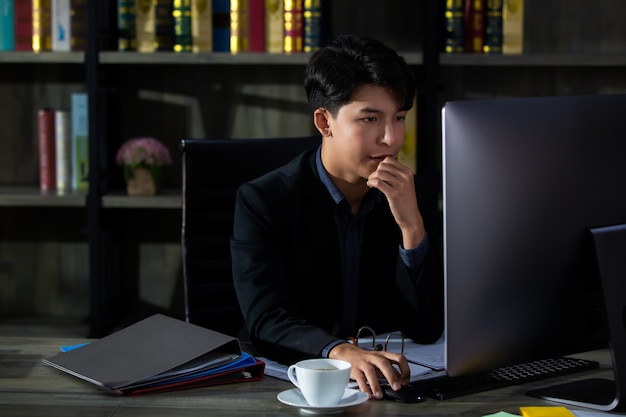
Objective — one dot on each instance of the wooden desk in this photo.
(30, 388)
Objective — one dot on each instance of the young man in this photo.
(335, 240)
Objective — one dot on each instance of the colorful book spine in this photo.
(201, 26)
(315, 17)
(455, 26)
(239, 26)
(513, 27)
(274, 26)
(23, 25)
(256, 25)
(493, 27)
(78, 25)
(408, 152)
(221, 25)
(181, 13)
(474, 26)
(80, 141)
(145, 25)
(63, 149)
(293, 31)
(126, 40)
(7, 26)
(61, 26)
(47, 149)
(163, 26)
(42, 25)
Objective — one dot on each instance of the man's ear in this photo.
(321, 120)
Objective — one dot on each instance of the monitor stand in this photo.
(603, 394)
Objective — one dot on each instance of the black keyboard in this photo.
(446, 387)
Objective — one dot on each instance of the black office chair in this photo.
(212, 172)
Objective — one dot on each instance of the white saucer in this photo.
(294, 398)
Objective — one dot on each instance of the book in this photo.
(247, 26)
(145, 25)
(80, 141)
(63, 150)
(455, 26)
(7, 27)
(47, 149)
(158, 354)
(493, 27)
(42, 25)
(201, 26)
(292, 26)
(474, 26)
(256, 25)
(61, 25)
(69, 25)
(408, 152)
(126, 30)
(163, 26)
(23, 25)
(316, 16)
(513, 26)
(274, 32)
(221, 25)
(181, 13)
(239, 18)
(78, 25)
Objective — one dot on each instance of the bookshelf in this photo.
(570, 48)
(206, 95)
(126, 243)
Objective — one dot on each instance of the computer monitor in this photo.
(524, 181)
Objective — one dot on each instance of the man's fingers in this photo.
(364, 386)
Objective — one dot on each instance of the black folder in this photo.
(151, 352)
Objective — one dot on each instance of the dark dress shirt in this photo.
(350, 235)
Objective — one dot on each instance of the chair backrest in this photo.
(212, 172)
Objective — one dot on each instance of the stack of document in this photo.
(159, 354)
(425, 361)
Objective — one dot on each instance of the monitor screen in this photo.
(523, 182)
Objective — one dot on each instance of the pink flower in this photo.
(143, 151)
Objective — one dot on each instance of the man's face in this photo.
(364, 132)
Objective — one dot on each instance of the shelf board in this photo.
(545, 60)
(165, 199)
(48, 57)
(204, 58)
(217, 58)
(13, 196)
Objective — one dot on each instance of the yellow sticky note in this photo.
(557, 411)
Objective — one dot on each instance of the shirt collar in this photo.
(325, 178)
(334, 192)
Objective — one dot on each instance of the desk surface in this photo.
(30, 388)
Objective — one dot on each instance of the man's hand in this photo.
(396, 181)
(368, 366)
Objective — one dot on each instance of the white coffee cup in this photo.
(321, 381)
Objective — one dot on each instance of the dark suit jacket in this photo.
(287, 271)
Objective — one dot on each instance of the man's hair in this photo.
(349, 62)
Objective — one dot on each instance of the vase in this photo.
(143, 181)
